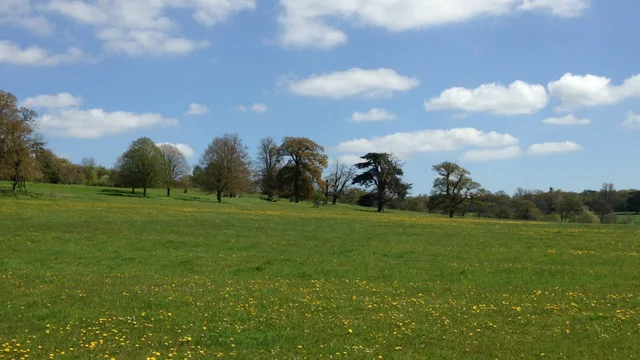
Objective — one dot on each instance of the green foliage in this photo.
(382, 174)
(306, 161)
(611, 219)
(526, 210)
(553, 218)
(453, 188)
(585, 217)
(140, 165)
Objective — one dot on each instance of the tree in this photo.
(383, 175)
(174, 166)
(526, 210)
(454, 187)
(50, 166)
(226, 166)
(90, 171)
(340, 176)
(306, 159)
(140, 165)
(602, 207)
(269, 163)
(633, 202)
(19, 141)
(569, 205)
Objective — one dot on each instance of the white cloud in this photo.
(354, 82)
(404, 144)
(20, 13)
(259, 108)
(566, 120)
(239, 108)
(632, 121)
(310, 23)
(560, 8)
(13, 54)
(492, 154)
(197, 109)
(350, 159)
(140, 27)
(61, 100)
(553, 147)
(576, 91)
(147, 42)
(374, 114)
(518, 98)
(65, 119)
(185, 149)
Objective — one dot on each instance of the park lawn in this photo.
(95, 273)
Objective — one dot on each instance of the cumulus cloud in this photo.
(632, 121)
(310, 23)
(64, 118)
(566, 120)
(374, 114)
(185, 149)
(21, 13)
(140, 27)
(259, 108)
(13, 54)
(197, 109)
(354, 82)
(553, 147)
(61, 100)
(492, 154)
(518, 98)
(405, 144)
(96, 123)
(576, 91)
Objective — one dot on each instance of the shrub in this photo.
(553, 217)
(610, 218)
(585, 217)
(627, 220)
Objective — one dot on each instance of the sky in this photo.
(522, 93)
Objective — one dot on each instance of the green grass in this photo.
(95, 273)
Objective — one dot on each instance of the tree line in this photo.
(295, 168)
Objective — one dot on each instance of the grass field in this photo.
(94, 273)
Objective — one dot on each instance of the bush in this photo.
(585, 217)
(610, 218)
(553, 217)
(627, 220)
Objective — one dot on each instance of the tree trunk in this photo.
(296, 184)
(219, 197)
(133, 190)
(168, 192)
(335, 200)
(380, 207)
(451, 214)
(144, 192)
(15, 185)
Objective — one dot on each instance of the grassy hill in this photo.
(98, 273)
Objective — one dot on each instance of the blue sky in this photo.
(524, 93)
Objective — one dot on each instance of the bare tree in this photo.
(340, 175)
(174, 166)
(226, 166)
(269, 163)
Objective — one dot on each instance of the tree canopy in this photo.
(453, 187)
(382, 174)
(226, 166)
(306, 159)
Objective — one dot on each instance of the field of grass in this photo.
(94, 273)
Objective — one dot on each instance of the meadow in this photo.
(96, 273)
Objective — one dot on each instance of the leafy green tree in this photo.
(50, 166)
(382, 174)
(173, 166)
(633, 202)
(140, 165)
(306, 159)
(226, 166)
(453, 187)
(526, 210)
(569, 204)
